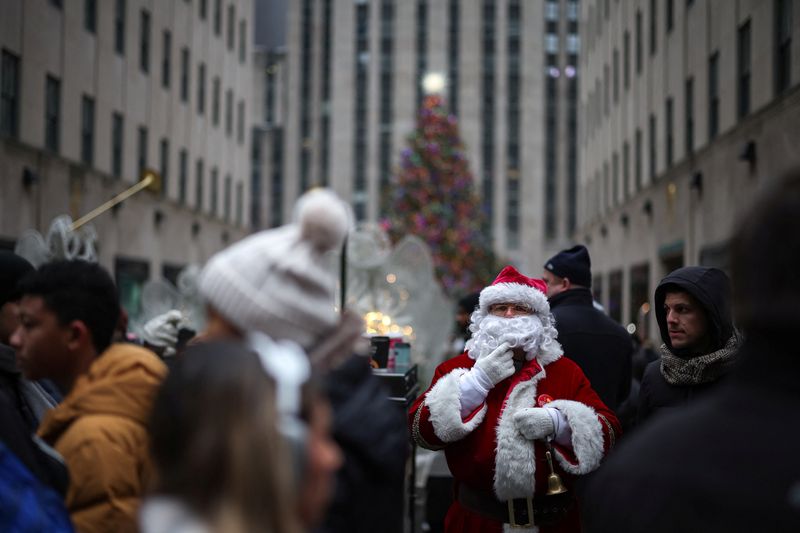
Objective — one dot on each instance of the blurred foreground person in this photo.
(693, 311)
(224, 463)
(729, 462)
(68, 313)
(278, 282)
(511, 413)
(23, 403)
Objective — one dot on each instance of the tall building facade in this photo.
(688, 108)
(355, 83)
(94, 93)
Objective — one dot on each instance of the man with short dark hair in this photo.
(68, 312)
(693, 312)
(600, 346)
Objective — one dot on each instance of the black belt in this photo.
(519, 512)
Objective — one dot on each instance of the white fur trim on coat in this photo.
(587, 436)
(515, 463)
(514, 293)
(444, 403)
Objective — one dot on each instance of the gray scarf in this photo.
(703, 369)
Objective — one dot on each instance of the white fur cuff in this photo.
(444, 403)
(587, 436)
(508, 529)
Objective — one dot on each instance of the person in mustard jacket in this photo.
(68, 312)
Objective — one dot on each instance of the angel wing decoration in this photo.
(396, 292)
(160, 296)
(61, 243)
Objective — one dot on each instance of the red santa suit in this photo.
(490, 459)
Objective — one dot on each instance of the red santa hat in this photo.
(512, 287)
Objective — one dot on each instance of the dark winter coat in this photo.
(711, 288)
(728, 462)
(600, 346)
(18, 423)
(371, 432)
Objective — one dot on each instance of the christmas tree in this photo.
(433, 196)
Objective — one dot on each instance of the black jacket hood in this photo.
(712, 288)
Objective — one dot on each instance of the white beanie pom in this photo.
(323, 217)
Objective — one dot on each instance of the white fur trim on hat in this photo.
(514, 293)
(587, 436)
(444, 403)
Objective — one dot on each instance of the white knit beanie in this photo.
(276, 281)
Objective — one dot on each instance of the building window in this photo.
(639, 295)
(231, 26)
(783, 45)
(669, 131)
(626, 59)
(229, 112)
(239, 203)
(144, 41)
(689, 112)
(453, 53)
(217, 17)
(276, 179)
(117, 139)
(670, 15)
(513, 112)
(386, 99)
(215, 95)
(87, 130)
(614, 179)
(616, 76)
(142, 151)
(639, 44)
(165, 60)
(325, 92)
(422, 47)
(713, 95)
(626, 171)
(201, 88)
(226, 199)
(185, 66)
(240, 122)
(214, 191)
(163, 165)
(652, 135)
(9, 95)
(130, 276)
(615, 295)
(57, 3)
(202, 8)
(90, 15)
(606, 89)
(361, 110)
(199, 181)
(637, 167)
(653, 26)
(52, 113)
(119, 27)
(183, 163)
(489, 29)
(743, 69)
(306, 104)
(242, 41)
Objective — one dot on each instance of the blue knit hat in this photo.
(574, 264)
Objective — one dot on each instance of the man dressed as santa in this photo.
(510, 413)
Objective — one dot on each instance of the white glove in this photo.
(535, 422)
(498, 365)
(162, 331)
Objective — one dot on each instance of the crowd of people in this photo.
(271, 419)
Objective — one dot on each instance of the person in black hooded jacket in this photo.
(693, 311)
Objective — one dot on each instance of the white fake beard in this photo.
(526, 332)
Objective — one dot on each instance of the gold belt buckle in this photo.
(513, 518)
